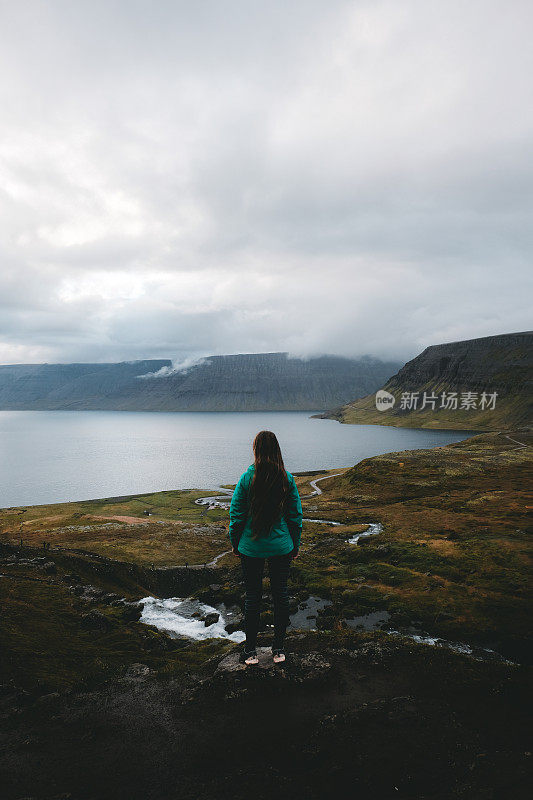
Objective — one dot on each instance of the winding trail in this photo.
(223, 501)
(522, 444)
(316, 490)
(214, 560)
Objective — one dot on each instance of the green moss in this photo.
(45, 644)
(453, 554)
(177, 531)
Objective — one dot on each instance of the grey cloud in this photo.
(181, 179)
(184, 366)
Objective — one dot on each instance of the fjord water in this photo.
(57, 456)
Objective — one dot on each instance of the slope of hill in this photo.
(97, 704)
(499, 366)
(248, 382)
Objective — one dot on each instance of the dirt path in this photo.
(316, 490)
(522, 444)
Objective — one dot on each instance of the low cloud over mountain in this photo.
(250, 382)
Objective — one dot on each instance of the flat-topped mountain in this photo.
(247, 382)
(499, 366)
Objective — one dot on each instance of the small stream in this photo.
(479, 653)
(181, 616)
(223, 501)
(373, 529)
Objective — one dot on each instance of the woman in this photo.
(265, 523)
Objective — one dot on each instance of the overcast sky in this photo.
(181, 178)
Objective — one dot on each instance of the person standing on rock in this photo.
(265, 523)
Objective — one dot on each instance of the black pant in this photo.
(278, 572)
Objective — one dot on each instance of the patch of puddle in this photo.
(377, 620)
(306, 615)
(373, 529)
(222, 501)
(180, 616)
(369, 622)
(479, 653)
(322, 521)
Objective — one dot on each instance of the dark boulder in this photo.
(235, 625)
(132, 612)
(136, 672)
(95, 620)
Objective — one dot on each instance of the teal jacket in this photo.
(284, 535)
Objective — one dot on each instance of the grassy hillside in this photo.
(493, 364)
(176, 531)
(454, 554)
(95, 704)
(509, 412)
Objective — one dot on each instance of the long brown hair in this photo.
(270, 485)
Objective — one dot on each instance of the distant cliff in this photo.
(250, 382)
(492, 364)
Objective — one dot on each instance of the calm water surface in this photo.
(56, 456)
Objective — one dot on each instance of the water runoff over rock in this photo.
(187, 616)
